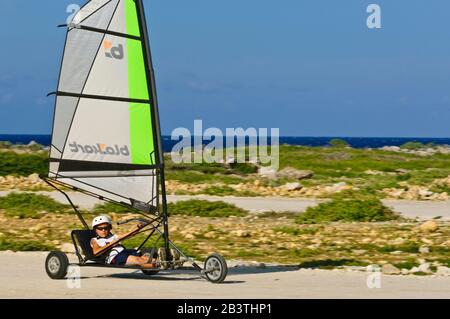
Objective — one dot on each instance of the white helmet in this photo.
(101, 220)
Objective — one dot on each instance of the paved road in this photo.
(22, 275)
(413, 209)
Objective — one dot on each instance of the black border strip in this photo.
(114, 33)
(88, 166)
(93, 12)
(101, 97)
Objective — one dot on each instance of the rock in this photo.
(429, 226)
(67, 248)
(425, 267)
(425, 193)
(405, 271)
(424, 250)
(241, 233)
(390, 269)
(443, 271)
(373, 172)
(210, 235)
(290, 172)
(414, 269)
(268, 172)
(338, 187)
(189, 236)
(34, 178)
(401, 171)
(292, 186)
(426, 241)
(373, 268)
(391, 148)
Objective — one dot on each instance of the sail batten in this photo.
(103, 137)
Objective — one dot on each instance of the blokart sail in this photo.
(105, 136)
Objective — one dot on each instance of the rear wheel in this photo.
(216, 268)
(56, 265)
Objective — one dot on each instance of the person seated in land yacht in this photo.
(118, 255)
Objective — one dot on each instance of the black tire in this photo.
(56, 265)
(217, 261)
(153, 252)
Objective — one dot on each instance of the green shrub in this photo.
(331, 263)
(226, 191)
(296, 231)
(407, 264)
(28, 205)
(413, 146)
(12, 163)
(355, 208)
(205, 208)
(336, 142)
(244, 168)
(6, 244)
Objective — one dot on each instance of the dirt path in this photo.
(22, 275)
(412, 209)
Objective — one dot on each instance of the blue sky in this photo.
(308, 67)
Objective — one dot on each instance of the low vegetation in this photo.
(24, 245)
(348, 208)
(30, 205)
(205, 208)
(15, 164)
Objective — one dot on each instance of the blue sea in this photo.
(356, 142)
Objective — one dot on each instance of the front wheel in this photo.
(216, 268)
(56, 265)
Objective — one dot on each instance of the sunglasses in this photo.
(103, 228)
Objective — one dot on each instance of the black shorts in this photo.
(121, 258)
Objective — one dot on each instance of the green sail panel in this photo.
(141, 133)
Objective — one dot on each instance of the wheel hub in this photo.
(54, 265)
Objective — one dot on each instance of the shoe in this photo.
(163, 258)
(176, 258)
(148, 256)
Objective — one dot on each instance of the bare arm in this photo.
(97, 250)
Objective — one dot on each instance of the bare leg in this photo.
(136, 260)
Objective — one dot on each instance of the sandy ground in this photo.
(412, 209)
(22, 275)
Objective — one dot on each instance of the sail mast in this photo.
(155, 117)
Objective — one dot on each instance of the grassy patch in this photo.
(29, 205)
(272, 214)
(331, 263)
(205, 208)
(348, 209)
(444, 261)
(407, 264)
(22, 245)
(250, 253)
(295, 231)
(226, 191)
(12, 163)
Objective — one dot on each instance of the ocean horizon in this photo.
(356, 142)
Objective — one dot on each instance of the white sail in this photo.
(104, 137)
